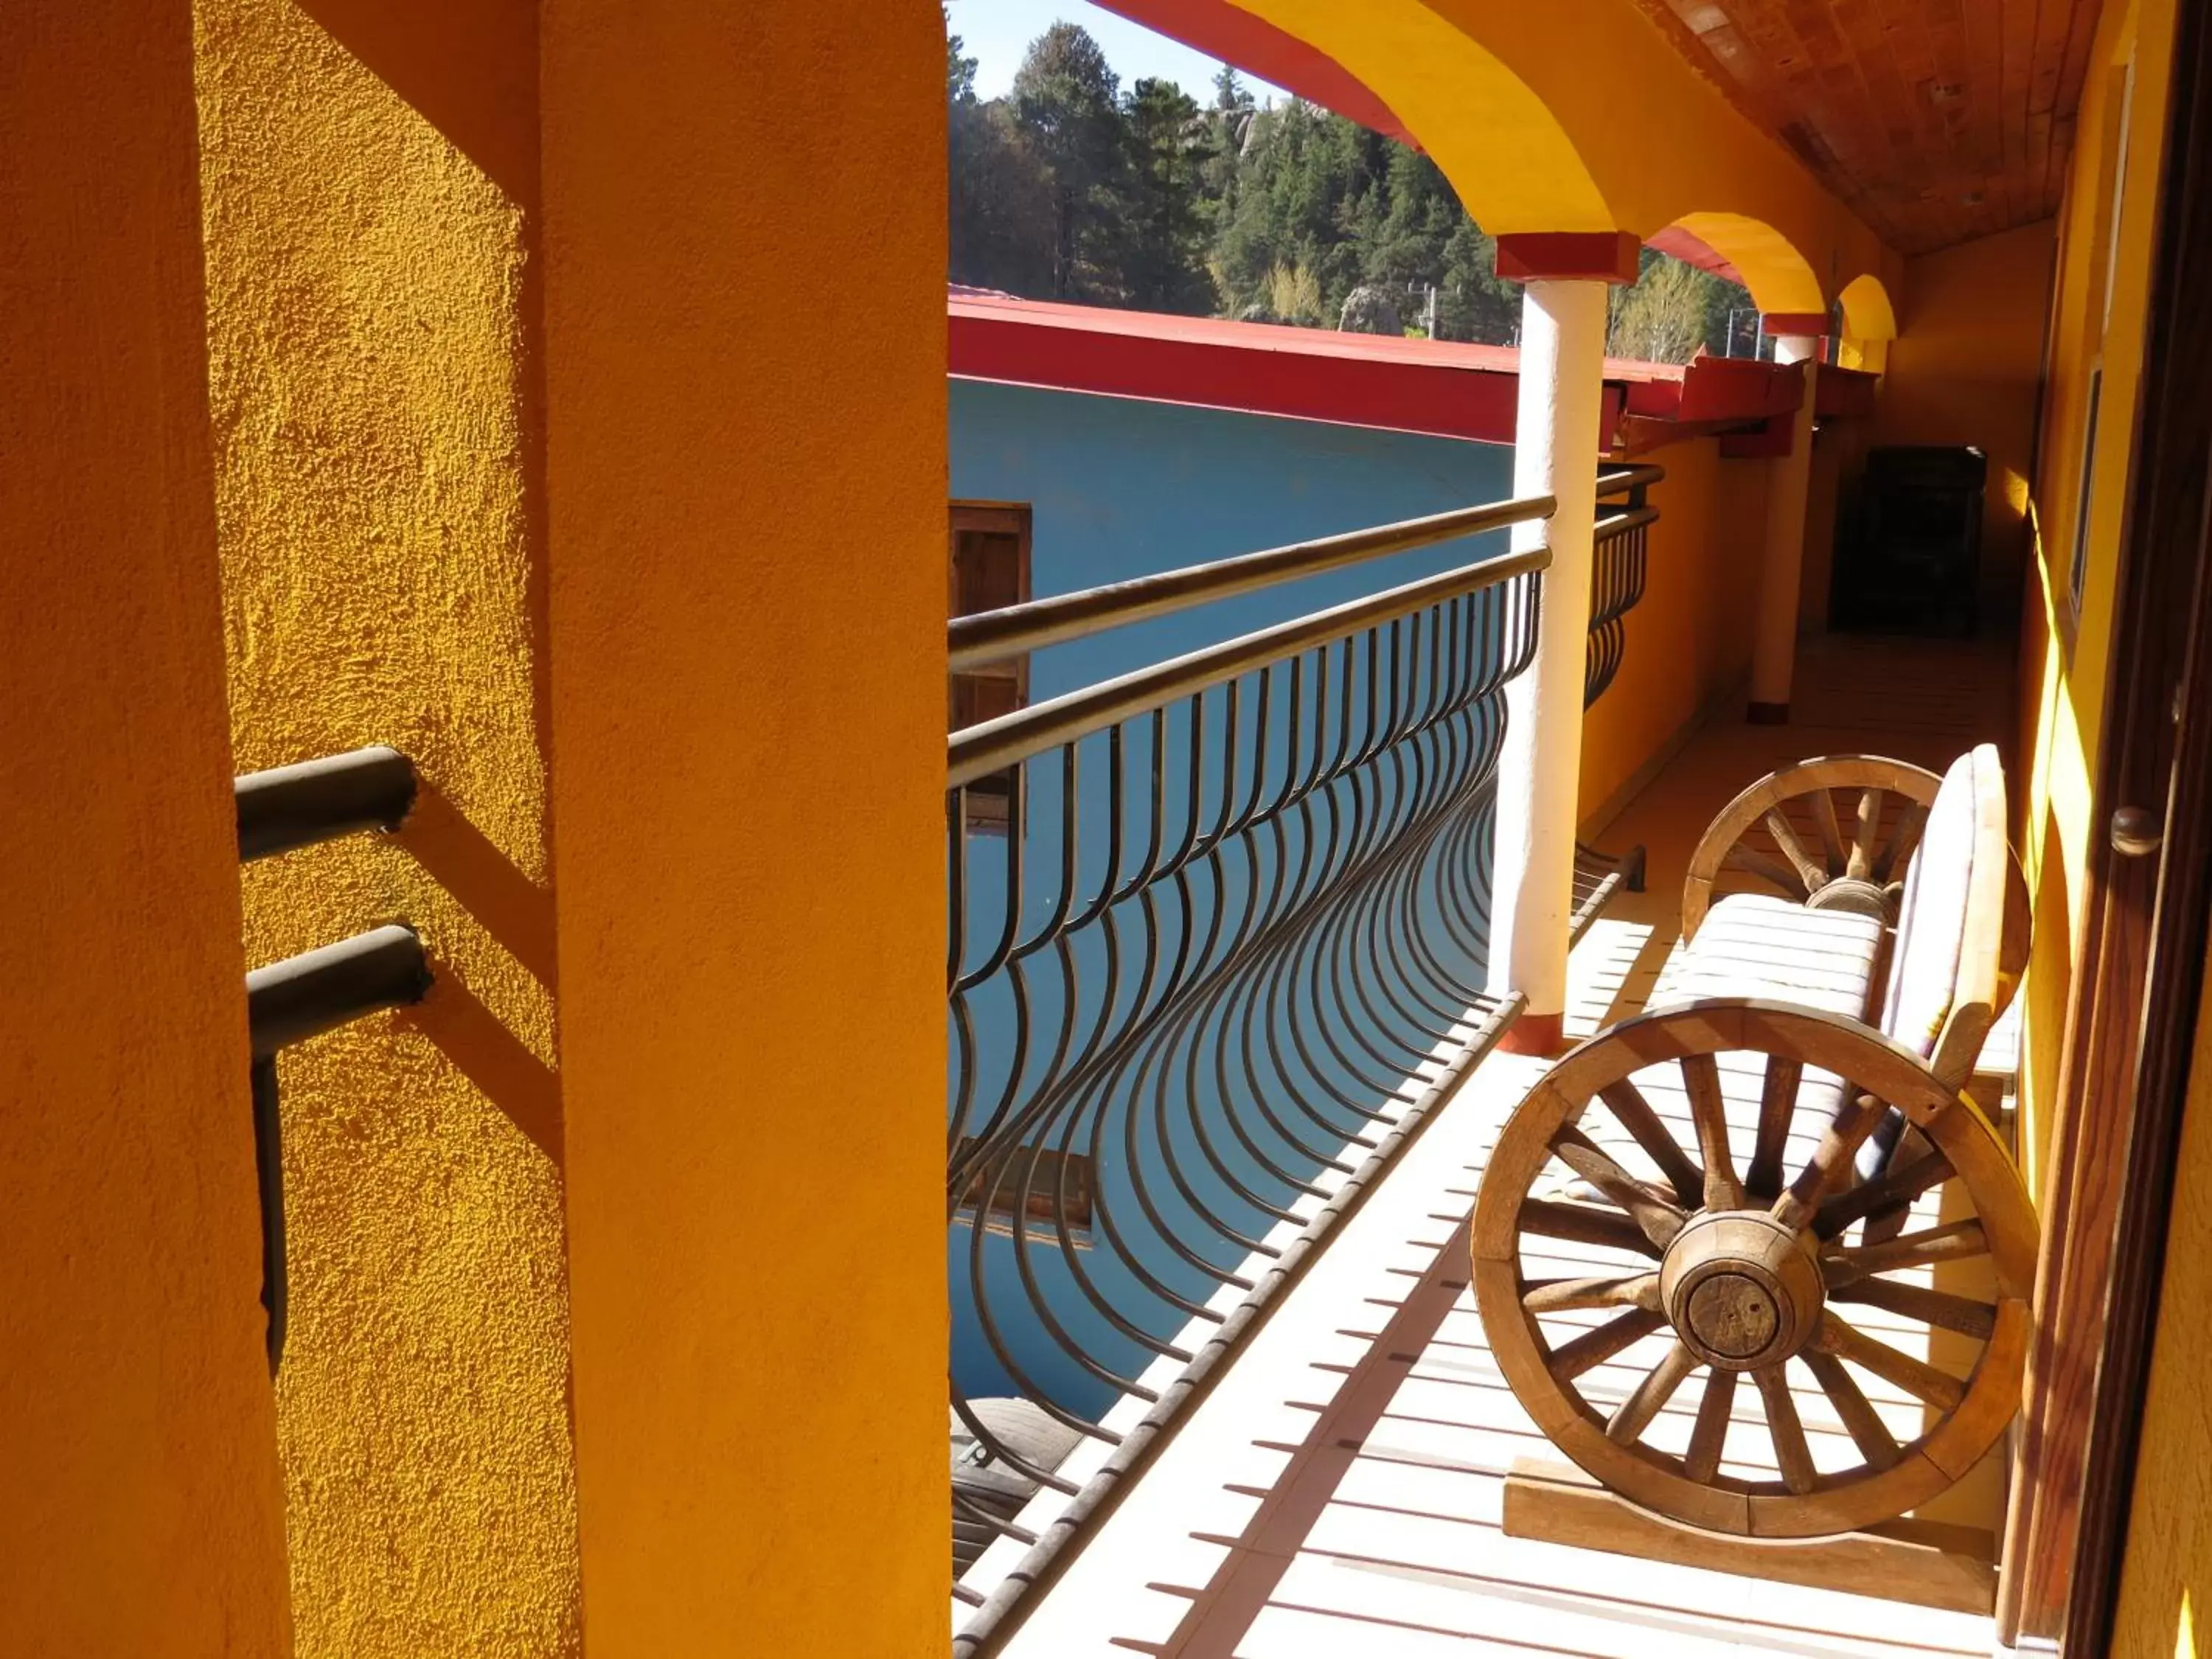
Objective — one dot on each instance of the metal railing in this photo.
(303, 996)
(1617, 575)
(1222, 916)
(1619, 558)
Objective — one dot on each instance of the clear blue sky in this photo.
(995, 33)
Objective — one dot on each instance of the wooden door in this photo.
(2128, 1032)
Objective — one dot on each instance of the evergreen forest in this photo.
(1074, 188)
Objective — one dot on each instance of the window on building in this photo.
(2077, 574)
(1059, 1183)
(2112, 192)
(989, 570)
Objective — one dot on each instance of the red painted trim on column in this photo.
(1571, 256)
(1800, 325)
(1534, 1033)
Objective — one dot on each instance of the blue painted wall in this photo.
(1118, 487)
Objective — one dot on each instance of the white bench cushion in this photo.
(1931, 918)
(1752, 945)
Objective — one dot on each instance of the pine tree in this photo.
(1066, 189)
(1066, 101)
(1164, 228)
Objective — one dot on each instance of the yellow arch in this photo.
(1504, 152)
(1577, 115)
(1777, 275)
(1868, 313)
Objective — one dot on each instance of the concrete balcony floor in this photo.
(1339, 1492)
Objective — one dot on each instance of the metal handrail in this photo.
(1621, 523)
(319, 990)
(1206, 917)
(995, 635)
(317, 800)
(280, 810)
(1622, 480)
(978, 752)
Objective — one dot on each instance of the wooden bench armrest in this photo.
(1860, 771)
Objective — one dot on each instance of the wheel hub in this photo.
(1859, 899)
(1742, 1291)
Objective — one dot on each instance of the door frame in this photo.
(2131, 1023)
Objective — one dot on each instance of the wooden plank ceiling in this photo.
(1936, 120)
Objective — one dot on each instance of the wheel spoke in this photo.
(1899, 1186)
(1862, 858)
(1867, 1431)
(1939, 1308)
(1791, 1450)
(1778, 1106)
(1832, 841)
(1902, 841)
(1701, 1081)
(1709, 1437)
(1958, 1242)
(1594, 1347)
(1550, 1296)
(1659, 1220)
(1810, 875)
(1923, 1381)
(1830, 1162)
(1755, 863)
(1584, 1223)
(1636, 1116)
(1643, 1403)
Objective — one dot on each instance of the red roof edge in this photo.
(1439, 388)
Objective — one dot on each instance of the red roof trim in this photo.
(1438, 388)
(1441, 388)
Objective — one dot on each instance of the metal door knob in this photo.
(2136, 833)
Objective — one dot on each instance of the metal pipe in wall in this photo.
(320, 800)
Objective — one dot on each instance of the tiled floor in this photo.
(1339, 1492)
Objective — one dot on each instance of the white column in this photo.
(1555, 453)
(1774, 637)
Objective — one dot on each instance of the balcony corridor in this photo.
(1340, 1493)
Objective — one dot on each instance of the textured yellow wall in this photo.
(745, 475)
(2097, 317)
(140, 1511)
(1689, 641)
(2165, 1584)
(368, 184)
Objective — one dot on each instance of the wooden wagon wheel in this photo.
(1742, 1273)
(1853, 853)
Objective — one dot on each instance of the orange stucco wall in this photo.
(2166, 1587)
(1689, 641)
(139, 1501)
(370, 183)
(746, 512)
(1965, 367)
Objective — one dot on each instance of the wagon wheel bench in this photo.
(1845, 1010)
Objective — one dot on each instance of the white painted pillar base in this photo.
(1774, 636)
(1539, 773)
